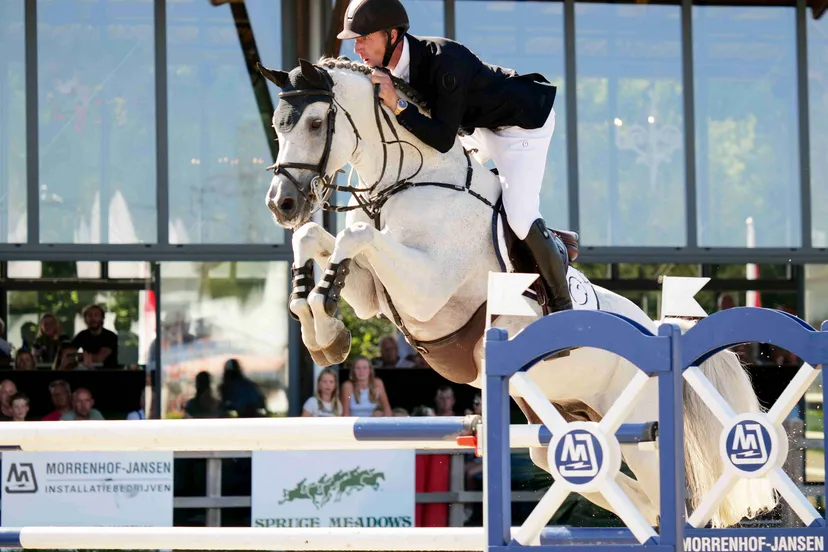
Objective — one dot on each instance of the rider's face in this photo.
(371, 48)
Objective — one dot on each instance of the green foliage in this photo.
(365, 334)
(64, 304)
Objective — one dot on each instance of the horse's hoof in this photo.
(339, 348)
(319, 357)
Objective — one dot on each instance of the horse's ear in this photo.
(311, 74)
(279, 78)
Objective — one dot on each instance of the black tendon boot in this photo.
(550, 261)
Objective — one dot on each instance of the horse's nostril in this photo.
(287, 205)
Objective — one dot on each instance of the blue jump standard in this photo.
(449, 428)
(665, 356)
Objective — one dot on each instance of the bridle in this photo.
(322, 186)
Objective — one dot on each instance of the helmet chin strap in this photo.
(389, 48)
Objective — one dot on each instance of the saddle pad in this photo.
(580, 288)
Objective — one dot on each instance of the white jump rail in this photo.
(427, 433)
(283, 539)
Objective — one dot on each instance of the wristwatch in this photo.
(401, 105)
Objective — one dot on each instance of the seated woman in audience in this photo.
(363, 392)
(325, 403)
(48, 340)
(23, 360)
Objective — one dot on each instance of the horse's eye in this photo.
(316, 124)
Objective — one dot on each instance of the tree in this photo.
(365, 334)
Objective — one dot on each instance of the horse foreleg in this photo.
(419, 284)
(312, 243)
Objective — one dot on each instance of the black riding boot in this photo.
(540, 242)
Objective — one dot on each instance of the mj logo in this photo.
(748, 445)
(21, 479)
(578, 456)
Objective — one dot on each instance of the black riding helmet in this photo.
(364, 17)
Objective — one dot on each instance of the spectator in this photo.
(5, 348)
(390, 355)
(325, 402)
(7, 390)
(102, 344)
(66, 358)
(24, 360)
(139, 414)
(204, 404)
(423, 410)
(240, 396)
(20, 407)
(444, 401)
(399, 412)
(61, 399)
(48, 340)
(28, 331)
(82, 407)
(477, 406)
(364, 391)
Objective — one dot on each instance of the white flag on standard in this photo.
(506, 294)
(677, 296)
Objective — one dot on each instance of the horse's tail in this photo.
(702, 431)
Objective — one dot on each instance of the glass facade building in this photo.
(135, 133)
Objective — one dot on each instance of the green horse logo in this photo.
(328, 488)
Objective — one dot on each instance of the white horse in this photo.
(421, 254)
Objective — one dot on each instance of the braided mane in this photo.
(344, 63)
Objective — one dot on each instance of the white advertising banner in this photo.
(117, 489)
(328, 488)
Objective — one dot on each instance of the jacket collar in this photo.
(416, 51)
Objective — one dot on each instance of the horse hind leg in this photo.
(577, 411)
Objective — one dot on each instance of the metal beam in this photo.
(148, 252)
(290, 39)
(74, 284)
(688, 91)
(571, 87)
(332, 44)
(162, 173)
(32, 140)
(156, 375)
(804, 122)
(699, 255)
(643, 284)
(450, 19)
(299, 365)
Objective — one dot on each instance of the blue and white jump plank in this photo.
(427, 433)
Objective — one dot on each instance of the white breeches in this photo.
(519, 155)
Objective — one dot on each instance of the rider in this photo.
(511, 116)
